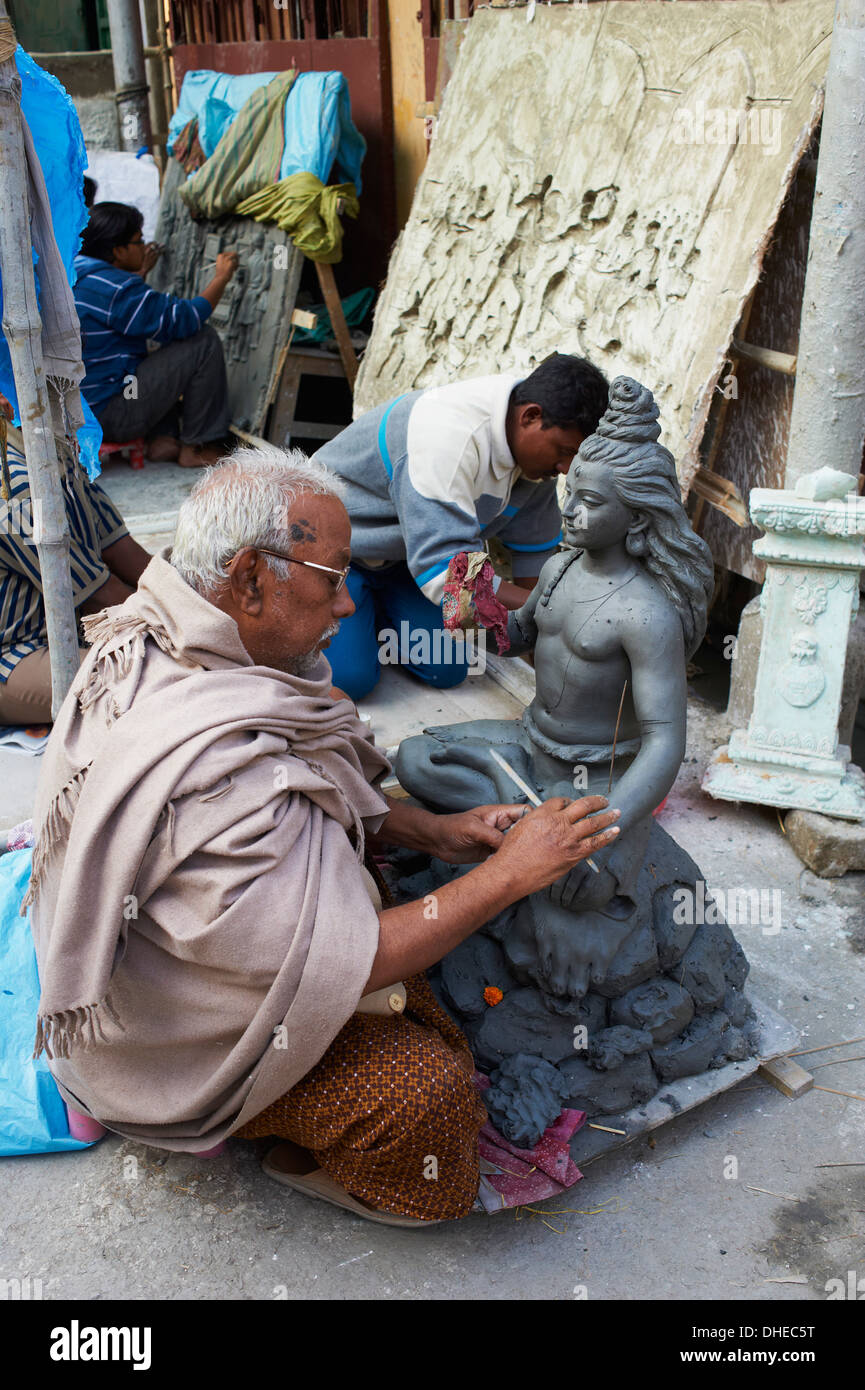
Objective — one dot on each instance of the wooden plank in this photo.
(718, 419)
(281, 426)
(787, 1077)
(409, 88)
(720, 493)
(337, 319)
(513, 675)
(308, 429)
(753, 450)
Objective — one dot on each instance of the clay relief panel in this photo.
(253, 316)
(601, 206)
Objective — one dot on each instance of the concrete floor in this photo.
(123, 1221)
(657, 1219)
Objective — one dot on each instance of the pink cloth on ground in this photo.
(529, 1175)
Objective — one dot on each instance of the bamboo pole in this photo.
(22, 327)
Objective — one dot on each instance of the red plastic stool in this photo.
(87, 1130)
(134, 447)
(82, 1127)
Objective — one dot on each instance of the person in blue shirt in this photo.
(176, 396)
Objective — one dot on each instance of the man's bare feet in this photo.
(163, 448)
(201, 455)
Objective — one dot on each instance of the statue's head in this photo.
(622, 488)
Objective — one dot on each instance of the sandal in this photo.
(295, 1167)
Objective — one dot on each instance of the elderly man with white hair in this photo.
(214, 956)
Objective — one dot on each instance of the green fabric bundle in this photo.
(307, 209)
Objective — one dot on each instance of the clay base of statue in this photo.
(669, 1004)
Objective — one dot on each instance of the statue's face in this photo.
(593, 515)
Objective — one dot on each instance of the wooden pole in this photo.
(22, 327)
(337, 319)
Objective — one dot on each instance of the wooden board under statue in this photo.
(253, 317)
(618, 981)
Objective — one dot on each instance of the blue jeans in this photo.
(390, 599)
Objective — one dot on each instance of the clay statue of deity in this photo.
(611, 622)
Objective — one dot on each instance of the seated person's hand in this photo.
(152, 252)
(226, 265)
(466, 837)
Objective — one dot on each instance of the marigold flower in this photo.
(493, 995)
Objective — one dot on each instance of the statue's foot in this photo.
(457, 776)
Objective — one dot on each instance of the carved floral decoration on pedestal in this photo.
(810, 600)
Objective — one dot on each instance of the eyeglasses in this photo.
(310, 564)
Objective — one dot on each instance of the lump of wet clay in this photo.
(521, 1024)
(497, 927)
(734, 1047)
(524, 1098)
(660, 1005)
(467, 971)
(702, 967)
(673, 937)
(695, 1050)
(609, 1092)
(635, 961)
(610, 1048)
(737, 1007)
(736, 967)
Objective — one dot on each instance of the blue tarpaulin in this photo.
(53, 123)
(32, 1115)
(319, 133)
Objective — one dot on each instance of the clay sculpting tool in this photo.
(616, 738)
(527, 790)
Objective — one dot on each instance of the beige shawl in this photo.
(201, 922)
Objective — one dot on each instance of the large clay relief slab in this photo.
(604, 180)
(253, 316)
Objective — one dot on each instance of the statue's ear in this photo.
(636, 542)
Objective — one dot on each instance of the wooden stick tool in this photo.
(526, 789)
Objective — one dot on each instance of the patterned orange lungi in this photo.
(390, 1112)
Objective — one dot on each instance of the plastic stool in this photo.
(212, 1153)
(82, 1127)
(134, 447)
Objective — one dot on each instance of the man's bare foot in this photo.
(201, 455)
(163, 448)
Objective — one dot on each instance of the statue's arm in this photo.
(522, 624)
(656, 652)
(522, 628)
